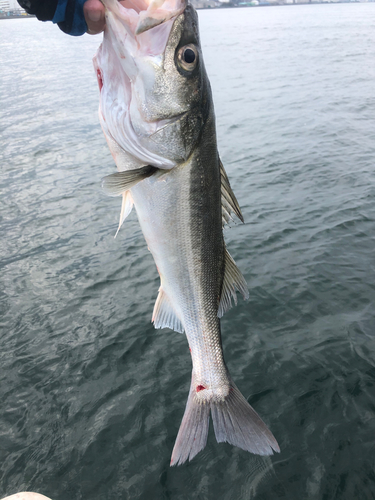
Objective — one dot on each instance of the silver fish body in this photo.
(182, 197)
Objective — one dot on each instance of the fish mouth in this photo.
(142, 15)
(126, 63)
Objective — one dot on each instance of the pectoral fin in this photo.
(233, 280)
(118, 183)
(229, 203)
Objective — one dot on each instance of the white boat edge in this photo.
(26, 495)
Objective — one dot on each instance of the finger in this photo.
(94, 15)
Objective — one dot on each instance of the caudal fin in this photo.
(193, 432)
(235, 422)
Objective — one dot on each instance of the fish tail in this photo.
(235, 422)
(193, 432)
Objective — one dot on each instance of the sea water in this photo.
(91, 396)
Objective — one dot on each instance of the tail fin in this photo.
(235, 422)
(193, 432)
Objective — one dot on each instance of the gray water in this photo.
(91, 396)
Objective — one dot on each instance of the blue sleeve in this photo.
(69, 17)
(68, 14)
(42, 9)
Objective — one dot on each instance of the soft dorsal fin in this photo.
(229, 203)
(233, 280)
(164, 315)
(126, 208)
(118, 183)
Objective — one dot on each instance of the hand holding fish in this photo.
(94, 13)
(74, 17)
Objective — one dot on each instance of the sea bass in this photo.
(157, 115)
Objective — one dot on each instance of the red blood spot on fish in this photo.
(190, 349)
(200, 388)
(100, 79)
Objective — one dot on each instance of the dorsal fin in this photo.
(164, 316)
(229, 203)
(233, 280)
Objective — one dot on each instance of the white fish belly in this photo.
(163, 206)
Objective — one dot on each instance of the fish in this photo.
(157, 114)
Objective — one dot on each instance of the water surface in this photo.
(91, 395)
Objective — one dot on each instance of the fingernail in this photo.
(94, 15)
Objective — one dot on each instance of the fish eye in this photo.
(188, 57)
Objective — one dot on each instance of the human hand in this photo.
(94, 13)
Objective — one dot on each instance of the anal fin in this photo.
(164, 315)
(233, 280)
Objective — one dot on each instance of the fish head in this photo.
(152, 83)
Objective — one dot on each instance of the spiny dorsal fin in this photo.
(229, 203)
(164, 315)
(118, 183)
(126, 208)
(233, 280)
